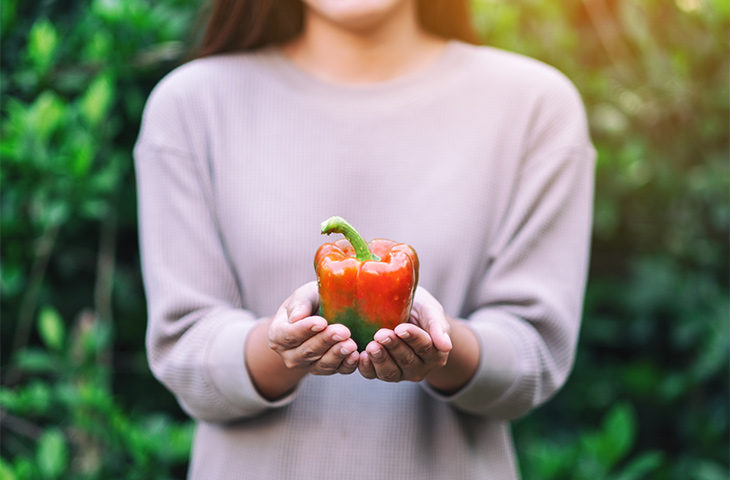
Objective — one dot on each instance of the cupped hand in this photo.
(411, 350)
(305, 340)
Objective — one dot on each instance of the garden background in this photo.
(649, 394)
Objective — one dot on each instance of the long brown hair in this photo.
(240, 25)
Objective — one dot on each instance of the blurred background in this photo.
(649, 395)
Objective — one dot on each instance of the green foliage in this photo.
(649, 394)
(595, 454)
(654, 77)
(65, 422)
(74, 84)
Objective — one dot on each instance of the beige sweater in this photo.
(481, 162)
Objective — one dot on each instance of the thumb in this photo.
(431, 317)
(303, 303)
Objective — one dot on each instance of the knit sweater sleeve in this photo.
(528, 302)
(197, 326)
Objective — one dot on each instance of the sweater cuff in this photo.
(499, 369)
(229, 374)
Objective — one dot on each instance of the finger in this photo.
(337, 359)
(422, 345)
(429, 315)
(314, 348)
(285, 335)
(402, 353)
(365, 366)
(349, 365)
(416, 339)
(441, 339)
(385, 368)
(437, 327)
(303, 302)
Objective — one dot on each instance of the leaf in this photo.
(8, 398)
(35, 399)
(12, 277)
(45, 114)
(550, 459)
(42, 44)
(8, 11)
(83, 150)
(6, 471)
(53, 214)
(620, 426)
(51, 328)
(100, 47)
(52, 453)
(95, 103)
(110, 10)
(618, 435)
(24, 468)
(34, 360)
(642, 465)
(703, 469)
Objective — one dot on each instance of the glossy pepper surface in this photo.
(363, 286)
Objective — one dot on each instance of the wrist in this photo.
(271, 377)
(462, 362)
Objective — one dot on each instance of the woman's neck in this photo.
(370, 54)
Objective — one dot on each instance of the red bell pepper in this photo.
(365, 287)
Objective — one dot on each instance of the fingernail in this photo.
(377, 353)
(405, 334)
(317, 327)
(337, 338)
(345, 350)
(385, 341)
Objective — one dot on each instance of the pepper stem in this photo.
(340, 225)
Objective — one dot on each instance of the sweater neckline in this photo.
(398, 91)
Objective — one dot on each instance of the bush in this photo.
(77, 399)
(648, 397)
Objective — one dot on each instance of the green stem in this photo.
(340, 225)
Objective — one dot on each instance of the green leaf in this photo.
(641, 466)
(42, 45)
(45, 114)
(8, 398)
(95, 103)
(51, 328)
(100, 47)
(620, 426)
(549, 458)
(110, 10)
(54, 213)
(93, 208)
(35, 399)
(34, 360)
(82, 152)
(703, 469)
(6, 471)
(12, 277)
(52, 453)
(24, 468)
(8, 10)
(618, 435)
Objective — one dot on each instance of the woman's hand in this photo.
(412, 350)
(307, 342)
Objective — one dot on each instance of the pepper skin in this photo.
(365, 287)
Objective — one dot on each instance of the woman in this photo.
(382, 112)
